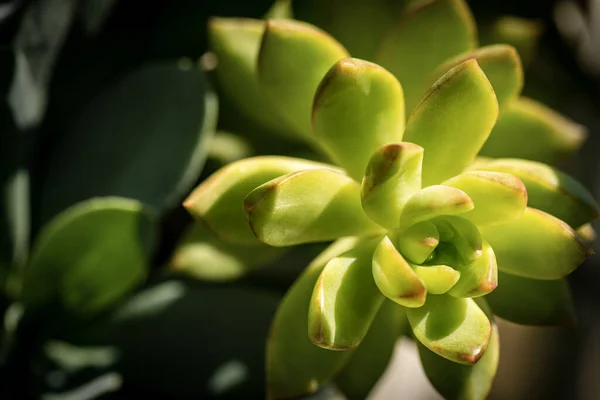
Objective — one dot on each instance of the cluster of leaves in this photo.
(425, 229)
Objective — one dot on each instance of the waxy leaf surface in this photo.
(218, 201)
(453, 121)
(307, 206)
(294, 57)
(358, 107)
(456, 329)
(537, 245)
(434, 201)
(479, 277)
(444, 27)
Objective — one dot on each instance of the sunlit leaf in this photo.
(438, 279)
(479, 277)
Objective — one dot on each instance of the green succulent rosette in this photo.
(422, 228)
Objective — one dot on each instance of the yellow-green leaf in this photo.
(428, 33)
(479, 277)
(497, 197)
(218, 201)
(530, 130)
(345, 300)
(453, 121)
(438, 279)
(537, 245)
(358, 107)
(307, 206)
(294, 57)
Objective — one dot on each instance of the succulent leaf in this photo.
(462, 236)
(393, 175)
(542, 134)
(537, 245)
(549, 190)
(587, 232)
(294, 57)
(295, 366)
(418, 242)
(502, 66)
(453, 121)
(524, 34)
(497, 197)
(434, 201)
(395, 277)
(236, 42)
(90, 255)
(345, 300)
(218, 201)
(280, 9)
(358, 107)
(370, 360)
(532, 301)
(444, 27)
(456, 329)
(479, 277)
(307, 206)
(438, 279)
(201, 255)
(463, 382)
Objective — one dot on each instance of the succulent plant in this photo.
(422, 228)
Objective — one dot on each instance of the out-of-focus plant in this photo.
(424, 229)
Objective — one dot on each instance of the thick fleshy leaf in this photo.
(444, 27)
(395, 277)
(294, 57)
(218, 201)
(587, 232)
(345, 300)
(226, 148)
(461, 241)
(531, 301)
(145, 137)
(541, 133)
(200, 254)
(236, 42)
(497, 197)
(463, 382)
(478, 278)
(307, 206)
(358, 107)
(453, 121)
(90, 255)
(295, 366)
(456, 329)
(418, 242)
(393, 174)
(280, 9)
(371, 358)
(524, 34)
(432, 202)
(501, 65)
(537, 245)
(438, 279)
(549, 190)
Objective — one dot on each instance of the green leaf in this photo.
(587, 232)
(203, 256)
(432, 202)
(236, 43)
(524, 34)
(502, 66)
(226, 148)
(462, 242)
(395, 277)
(144, 138)
(537, 245)
(479, 277)
(89, 256)
(549, 190)
(444, 27)
(531, 301)
(294, 57)
(280, 9)
(542, 134)
(438, 279)
(418, 242)
(497, 197)
(463, 382)
(393, 174)
(307, 206)
(370, 360)
(358, 107)
(345, 300)
(295, 366)
(453, 121)
(218, 201)
(456, 329)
